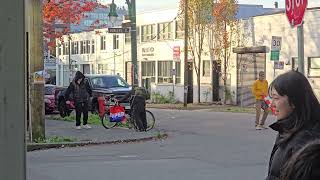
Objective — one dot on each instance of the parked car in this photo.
(101, 85)
(49, 98)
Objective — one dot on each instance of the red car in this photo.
(49, 98)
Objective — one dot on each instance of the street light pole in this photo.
(114, 62)
(69, 55)
(300, 49)
(185, 102)
(69, 47)
(133, 33)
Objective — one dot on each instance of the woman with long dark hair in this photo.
(298, 118)
(305, 164)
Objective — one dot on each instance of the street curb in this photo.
(44, 146)
(213, 108)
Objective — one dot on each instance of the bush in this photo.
(158, 98)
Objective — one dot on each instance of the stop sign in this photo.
(295, 10)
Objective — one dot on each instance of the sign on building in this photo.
(173, 72)
(118, 30)
(148, 51)
(275, 48)
(278, 65)
(176, 53)
(244, 68)
(276, 43)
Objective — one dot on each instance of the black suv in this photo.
(101, 85)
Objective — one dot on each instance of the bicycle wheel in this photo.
(105, 120)
(150, 120)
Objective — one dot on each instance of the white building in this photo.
(255, 56)
(160, 55)
(94, 52)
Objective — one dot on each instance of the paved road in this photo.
(201, 145)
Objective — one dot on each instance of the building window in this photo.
(83, 47)
(314, 66)
(88, 47)
(102, 68)
(148, 70)
(164, 72)
(74, 47)
(179, 29)
(127, 38)
(115, 41)
(66, 49)
(103, 42)
(148, 33)
(206, 68)
(178, 73)
(60, 49)
(92, 47)
(165, 31)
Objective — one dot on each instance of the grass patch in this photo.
(213, 108)
(55, 139)
(240, 110)
(93, 119)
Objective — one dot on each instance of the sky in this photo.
(147, 5)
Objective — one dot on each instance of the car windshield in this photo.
(108, 82)
(49, 90)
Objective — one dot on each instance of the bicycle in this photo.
(111, 101)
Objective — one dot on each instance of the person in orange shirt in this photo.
(260, 90)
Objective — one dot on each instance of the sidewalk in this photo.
(96, 135)
(207, 107)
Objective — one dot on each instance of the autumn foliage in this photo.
(64, 13)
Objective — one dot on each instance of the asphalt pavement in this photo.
(201, 145)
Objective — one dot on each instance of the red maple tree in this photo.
(64, 13)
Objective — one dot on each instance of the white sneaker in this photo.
(259, 127)
(87, 126)
(264, 127)
(78, 127)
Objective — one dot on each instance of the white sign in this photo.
(173, 72)
(278, 65)
(276, 43)
(244, 68)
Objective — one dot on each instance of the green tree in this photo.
(199, 17)
(225, 35)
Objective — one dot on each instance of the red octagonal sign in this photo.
(295, 10)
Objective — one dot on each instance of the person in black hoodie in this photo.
(137, 97)
(298, 119)
(81, 91)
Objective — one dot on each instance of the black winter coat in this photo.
(284, 149)
(81, 92)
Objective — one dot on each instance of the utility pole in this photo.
(114, 62)
(12, 91)
(300, 48)
(69, 56)
(69, 47)
(133, 33)
(36, 65)
(185, 102)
